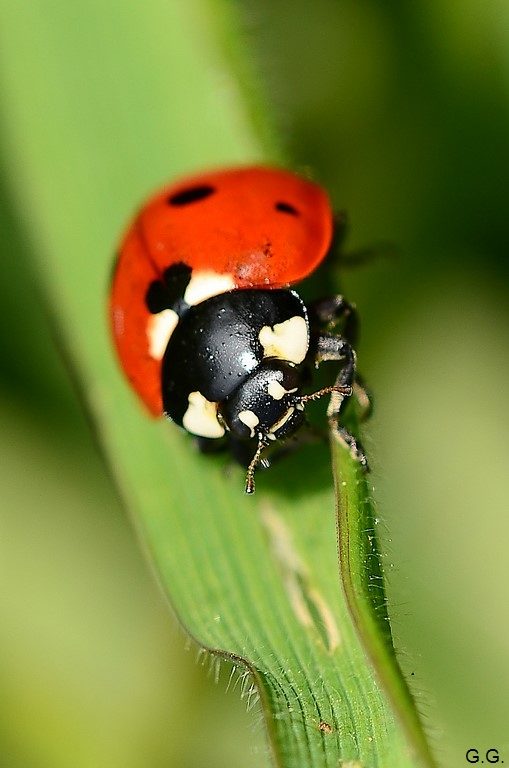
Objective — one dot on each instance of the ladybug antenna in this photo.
(250, 483)
(344, 391)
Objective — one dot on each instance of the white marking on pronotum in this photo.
(201, 417)
(286, 341)
(159, 329)
(250, 419)
(277, 391)
(204, 284)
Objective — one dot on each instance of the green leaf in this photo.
(362, 577)
(102, 104)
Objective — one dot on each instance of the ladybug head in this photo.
(267, 405)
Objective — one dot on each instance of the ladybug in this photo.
(206, 326)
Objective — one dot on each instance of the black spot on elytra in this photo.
(191, 195)
(168, 293)
(286, 208)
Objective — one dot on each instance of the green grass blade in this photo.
(362, 576)
(102, 103)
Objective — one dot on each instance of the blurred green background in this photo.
(402, 110)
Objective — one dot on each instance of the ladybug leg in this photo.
(353, 445)
(361, 256)
(364, 398)
(327, 313)
(337, 348)
(339, 232)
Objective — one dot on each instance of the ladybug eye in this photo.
(286, 208)
(191, 195)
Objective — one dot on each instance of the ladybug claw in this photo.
(353, 445)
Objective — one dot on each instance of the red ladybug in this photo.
(205, 325)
